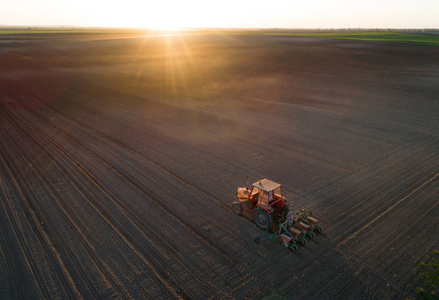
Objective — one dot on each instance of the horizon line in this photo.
(212, 28)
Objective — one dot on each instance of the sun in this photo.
(164, 14)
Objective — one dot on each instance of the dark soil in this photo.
(120, 157)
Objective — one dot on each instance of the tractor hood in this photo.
(242, 192)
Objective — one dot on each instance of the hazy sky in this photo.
(224, 13)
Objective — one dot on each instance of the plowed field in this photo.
(120, 156)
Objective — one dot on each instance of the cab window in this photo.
(263, 198)
(277, 192)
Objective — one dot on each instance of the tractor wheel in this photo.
(237, 208)
(262, 219)
(293, 247)
(319, 229)
(311, 234)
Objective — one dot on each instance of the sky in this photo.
(222, 13)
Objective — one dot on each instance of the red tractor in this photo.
(264, 200)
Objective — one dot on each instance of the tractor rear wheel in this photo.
(262, 219)
(237, 208)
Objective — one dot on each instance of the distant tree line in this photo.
(298, 30)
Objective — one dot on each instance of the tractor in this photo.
(265, 201)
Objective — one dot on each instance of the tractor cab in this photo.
(264, 199)
(265, 193)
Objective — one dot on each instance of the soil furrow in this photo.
(109, 272)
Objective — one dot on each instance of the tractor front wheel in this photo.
(237, 208)
(262, 219)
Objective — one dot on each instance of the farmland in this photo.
(424, 39)
(120, 155)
